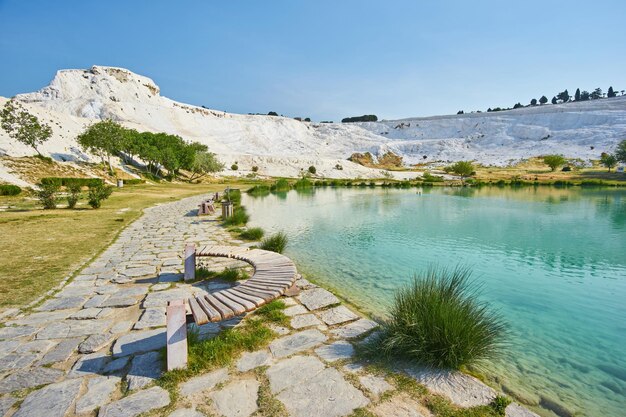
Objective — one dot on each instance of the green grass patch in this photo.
(239, 218)
(273, 312)
(281, 185)
(275, 243)
(438, 321)
(253, 233)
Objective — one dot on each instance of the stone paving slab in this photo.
(95, 342)
(288, 345)
(53, 400)
(317, 298)
(144, 370)
(305, 320)
(401, 406)
(337, 315)
(251, 360)
(74, 328)
(203, 382)
(237, 399)
(295, 310)
(139, 342)
(64, 303)
(463, 390)
(12, 332)
(151, 317)
(327, 394)
(295, 370)
(354, 329)
(6, 402)
(28, 378)
(375, 384)
(137, 403)
(99, 390)
(186, 412)
(335, 351)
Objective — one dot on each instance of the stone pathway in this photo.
(92, 348)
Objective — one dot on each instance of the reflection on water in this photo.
(552, 260)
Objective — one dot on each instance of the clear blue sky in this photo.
(324, 59)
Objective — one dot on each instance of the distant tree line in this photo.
(562, 97)
(364, 118)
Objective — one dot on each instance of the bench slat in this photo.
(224, 310)
(247, 304)
(238, 309)
(255, 299)
(212, 313)
(265, 294)
(199, 316)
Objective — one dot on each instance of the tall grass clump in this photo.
(281, 185)
(437, 320)
(253, 233)
(275, 243)
(259, 191)
(240, 217)
(303, 183)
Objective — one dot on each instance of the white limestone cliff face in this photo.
(284, 146)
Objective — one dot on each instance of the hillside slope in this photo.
(283, 146)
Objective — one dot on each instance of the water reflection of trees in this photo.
(612, 206)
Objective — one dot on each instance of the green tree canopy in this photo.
(204, 163)
(103, 139)
(620, 151)
(608, 160)
(554, 161)
(461, 168)
(23, 126)
(577, 95)
(543, 100)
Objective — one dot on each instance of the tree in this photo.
(462, 168)
(596, 94)
(611, 93)
(103, 139)
(584, 95)
(554, 100)
(364, 118)
(204, 163)
(518, 106)
(564, 96)
(554, 161)
(543, 100)
(608, 160)
(577, 95)
(23, 126)
(312, 169)
(97, 193)
(272, 113)
(460, 112)
(533, 102)
(620, 151)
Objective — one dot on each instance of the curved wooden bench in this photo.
(273, 275)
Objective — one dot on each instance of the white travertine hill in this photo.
(284, 146)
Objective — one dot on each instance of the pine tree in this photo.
(533, 102)
(554, 101)
(577, 95)
(543, 100)
(611, 93)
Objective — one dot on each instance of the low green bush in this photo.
(253, 233)
(255, 168)
(98, 193)
(275, 243)
(438, 321)
(233, 195)
(47, 195)
(9, 189)
(134, 181)
(312, 169)
(303, 183)
(73, 195)
(239, 218)
(67, 181)
(592, 183)
(281, 185)
(428, 177)
(499, 405)
(234, 167)
(259, 191)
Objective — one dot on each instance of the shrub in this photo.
(97, 193)
(239, 218)
(9, 189)
(259, 190)
(339, 167)
(134, 181)
(499, 405)
(364, 118)
(437, 320)
(253, 233)
(281, 185)
(428, 177)
(312, 169)
(73, 195)
(233, 195)
(255, 168)
(47, 194)
(554, 161)
(566, 169)
(234, 167)
(275, 243)
(67, 181)
(303, 183)
(461, 168)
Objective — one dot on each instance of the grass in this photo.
(228, 274)
(438, 321)
(40, 248)
(273, 312)
(239, 218)
(253, 233)
(275, 243)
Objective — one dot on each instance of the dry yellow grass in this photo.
(39, 248)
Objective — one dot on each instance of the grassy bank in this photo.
(39, 248)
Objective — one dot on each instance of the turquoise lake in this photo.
(552, 261)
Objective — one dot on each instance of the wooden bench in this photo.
(273, 275)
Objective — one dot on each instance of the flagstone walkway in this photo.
(92, 348)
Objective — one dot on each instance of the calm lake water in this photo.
(553, 261)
